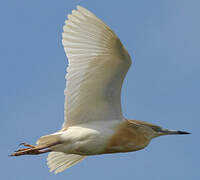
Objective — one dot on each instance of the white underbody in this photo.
(87, 139)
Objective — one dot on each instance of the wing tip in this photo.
(80, 8)
(59, 161)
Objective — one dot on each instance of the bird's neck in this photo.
(128, 137)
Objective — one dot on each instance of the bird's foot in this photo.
(31, 150)
(27, 145)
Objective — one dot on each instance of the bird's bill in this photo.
(172, 132)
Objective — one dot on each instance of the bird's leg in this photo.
(33, 150)
(30, 149)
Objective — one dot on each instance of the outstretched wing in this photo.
(98, 63)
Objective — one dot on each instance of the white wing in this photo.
(98, 63)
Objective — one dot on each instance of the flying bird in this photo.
(93, 119)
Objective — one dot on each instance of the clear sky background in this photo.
(162, 86)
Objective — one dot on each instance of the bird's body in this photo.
(104, 137)
(94, 123)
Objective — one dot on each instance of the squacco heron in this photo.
(94, 123)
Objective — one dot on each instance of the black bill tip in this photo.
(183, 132)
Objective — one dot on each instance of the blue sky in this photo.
(161, 87)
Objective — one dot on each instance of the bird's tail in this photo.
(59, 161)
(49, 139)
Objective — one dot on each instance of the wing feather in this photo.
(98, 63)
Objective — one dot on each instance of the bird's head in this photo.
(157, 130)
